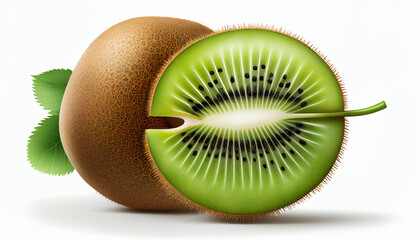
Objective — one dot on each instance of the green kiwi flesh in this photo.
(263, 121)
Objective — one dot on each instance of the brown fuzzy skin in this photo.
(105, 109)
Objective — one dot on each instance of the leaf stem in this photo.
(350, 113)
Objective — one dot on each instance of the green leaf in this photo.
(45, 151)
(49, 88)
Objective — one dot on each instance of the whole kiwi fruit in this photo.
(104, 112)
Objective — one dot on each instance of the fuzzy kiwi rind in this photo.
(105, 109)
(224, 208)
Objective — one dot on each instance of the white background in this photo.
(374, 193)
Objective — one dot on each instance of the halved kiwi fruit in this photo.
(263, 122)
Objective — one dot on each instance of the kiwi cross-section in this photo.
(263, 121)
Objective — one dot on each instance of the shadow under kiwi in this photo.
(93, 213)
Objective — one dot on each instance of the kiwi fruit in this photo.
(264, 122)
(104, 112)
(243, 123)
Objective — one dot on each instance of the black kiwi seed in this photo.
(261, 91)
(183, 134)
(254, 91)
(271, 144)
(216, 155)
(220, 70)
(230, 93)
(208, 154)
(215, 81)
(255, 68)
(248, 91)
(266, 93)
(237, 157)
(254, 78)
(264, 165)
(242, 144)
(287, 85)
(247, 145)
(303, 104)
(205, 104)
(236, 93)
(272, 162)
(194, 153)
(232, 79)
(254, 159)
(271, 75)
(300, 90)
(281, 85)
(291, 151)
(190, 100)
(302, 142)
(190, 145)
(244, 159)
(282, 168)
(219, 143)
(195, 108)
(299, 125)
(211, 73)
(210, 84)
(283, 155)
(270, 81)
(284, 77)
(263, 66)
(246, 75)
(261, 78)
(201, 88)
(242, 91)
(261, 155)
(199, 106)
(225, 96)
(208, 99)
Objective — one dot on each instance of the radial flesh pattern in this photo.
(239, 151)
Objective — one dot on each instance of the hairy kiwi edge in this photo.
(245, 218)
